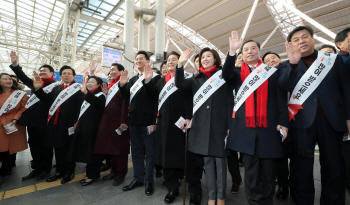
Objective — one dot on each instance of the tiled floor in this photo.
(102, 192)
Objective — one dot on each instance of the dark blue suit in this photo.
(261, 146)
(309, 128)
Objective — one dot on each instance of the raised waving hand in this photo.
(184, 57)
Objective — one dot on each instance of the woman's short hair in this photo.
(215, 54)
(98, 79)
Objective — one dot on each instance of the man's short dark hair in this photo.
(119, 66)
(341, 36)
(300, 28)
(47, 66)
(257, 43)
(98, 79)
(215, 54)
(66, 67)
(269, 52)
(328, 46)
(173, 53)
(195, 57)
(15, 76)
(157, 71)
(144, 53)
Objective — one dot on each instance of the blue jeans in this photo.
(141, 145)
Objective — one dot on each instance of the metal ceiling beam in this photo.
(228, 17)
(215, 5)
(100, 22)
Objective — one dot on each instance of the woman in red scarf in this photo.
(211, 120)
(86, 128)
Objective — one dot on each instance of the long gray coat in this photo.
(211, 121)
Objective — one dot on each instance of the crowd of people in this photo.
(253, 111)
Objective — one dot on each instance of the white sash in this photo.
(207, 89)
(256, 78)
(62, 97)
(311, 79)
(86, 105)
(138, 85)
(33, 99)
(111, 92)
(168, 89)
(12, 101)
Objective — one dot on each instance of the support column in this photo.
(160, 31)
(75, 39)
(144, 28)
(64, 33)
(129, 35)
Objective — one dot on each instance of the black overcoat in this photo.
(108, 141)
(85, 134)
(211, 121)
(170, 140)
(57, 135)
(242, 138)
(36, 115)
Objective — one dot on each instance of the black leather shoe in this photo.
(149, 189)
(195, 199)
(109, 177)
(31, 175)
(132, 185)
(54, 177)
(67, 178)
(282, 193)
(85, 183)
(105, 167)
(118, 180)
(41, 176)
(170, 197)
(159, 173)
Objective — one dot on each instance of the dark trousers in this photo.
(259, 179)
(42, 156)
(332, 170)
(233, 167)
(172, 178)
(119, 164)
(282, 166)
(93, 170)
(63, 166)
(346, 157)
(142, 144)
(195, 165)
(7, 162)
(216, 177)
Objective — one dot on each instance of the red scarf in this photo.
(94, 90)
(208, 72)
(46, 80)
(341, 51)
(169, 76)
(58, 109)
(262, 94)
(113, 82)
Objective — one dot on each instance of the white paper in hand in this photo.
(180, 124)
(70, 131)
(346, 138)
(282, 135)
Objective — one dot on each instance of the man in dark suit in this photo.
(342, 41)
(255, 126)
(62, 120)
(323, 118)
(35, 118)
(142, 113)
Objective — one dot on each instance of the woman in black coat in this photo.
(210, 122)
(170, 140)
(86, 128)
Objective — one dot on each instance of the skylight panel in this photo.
(106, 7)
